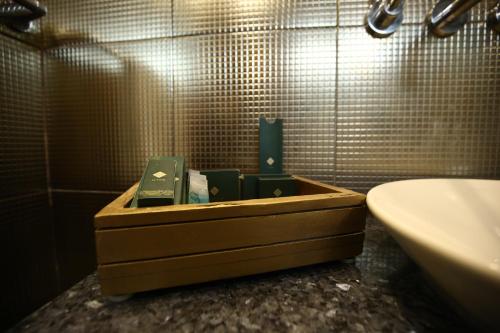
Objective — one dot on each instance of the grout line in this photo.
(336, 103)
(45, 127)
(32, 44)
(45, 109)
(173, 117)
(60, 190)
(337, 26)
(25, 195)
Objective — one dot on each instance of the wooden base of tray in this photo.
(162, 273)
(140, 249)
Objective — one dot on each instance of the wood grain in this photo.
(138, 276)
(126, 244)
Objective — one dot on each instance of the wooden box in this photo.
(141, 249)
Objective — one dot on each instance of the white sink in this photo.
(451, 228)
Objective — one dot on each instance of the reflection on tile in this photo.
(104, 21)
(22, 151)
(224, 82)
(400, 113)
(74, 229)
(352, 12)
(109, 111)
(28, 256)
(215, 16)
(413, 106)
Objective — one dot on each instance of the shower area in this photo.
(93, 88)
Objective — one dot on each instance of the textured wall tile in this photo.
(242, 60)
(74, 230)
(224, 82)
(22, 152)
(413, 106)
(104, 21)
(352, 12)
(214, 16)
(29, 274)
(109, 111)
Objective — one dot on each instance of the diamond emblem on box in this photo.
(214, 190)
(270, 161)
(159, 174)
(277, 192)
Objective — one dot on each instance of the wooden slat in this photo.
(162, 273)
(139, 243)
(115, 215)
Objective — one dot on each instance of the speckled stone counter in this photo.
(381, 290)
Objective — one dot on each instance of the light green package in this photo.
(198, 187)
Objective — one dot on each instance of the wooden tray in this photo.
(141, 249)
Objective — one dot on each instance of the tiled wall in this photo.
(128, 80)
(192, 77)
(27, 245)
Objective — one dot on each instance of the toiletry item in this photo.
(179, 179)
(270, 146)
(157, 186)
(277, 187)
(198, 187)
(223, 184)
(250, 185)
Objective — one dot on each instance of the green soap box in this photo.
(223, 184)
(277, 187)
(270, 146)
(162, 183)
(250, 184)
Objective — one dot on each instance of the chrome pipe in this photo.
(448, 16)
(35, 7)
(19, 14)
(493, 20)
(384, 17)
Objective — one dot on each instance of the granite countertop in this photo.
(381, 290)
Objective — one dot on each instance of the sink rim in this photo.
(454, 255)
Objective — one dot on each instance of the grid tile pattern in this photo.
(216, 16)
(22, 152)
(26, 233)
(109, 110)
(28, 257)
(398, 114)
(416, 106)
(352, 12)
(104, 20)
(224, 82)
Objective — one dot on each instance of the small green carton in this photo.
(270, 146)
(223, 184)
(250, 184)
(162, 183)
(277, 187)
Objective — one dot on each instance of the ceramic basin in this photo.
(451, 228)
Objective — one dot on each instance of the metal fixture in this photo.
(384, 17)
(448, 16)
(494, 18)
(19, 14)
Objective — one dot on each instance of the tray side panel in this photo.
(140, 243)
(138, 276)
(318, 196)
